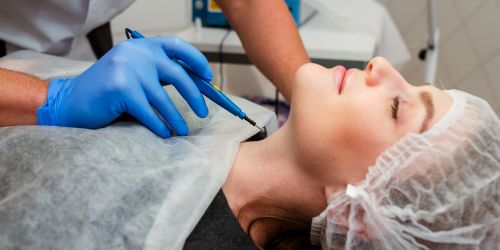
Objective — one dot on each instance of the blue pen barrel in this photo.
(221, 99)
(213, 94)
(204, 86)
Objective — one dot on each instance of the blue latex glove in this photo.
(127, 80)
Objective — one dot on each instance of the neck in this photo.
(268, 170)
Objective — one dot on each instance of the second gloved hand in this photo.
(127, 80)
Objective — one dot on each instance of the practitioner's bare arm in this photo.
(270, 38)
(20, 97)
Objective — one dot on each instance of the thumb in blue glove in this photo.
(127, 80)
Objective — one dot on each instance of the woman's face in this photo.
(342, 120)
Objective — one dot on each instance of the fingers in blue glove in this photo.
(139, 107)
(177, 48)
(173, 73)
(159, 98)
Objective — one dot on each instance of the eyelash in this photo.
(395, 107)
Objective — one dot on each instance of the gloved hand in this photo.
(127, 80)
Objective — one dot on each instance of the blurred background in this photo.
(469, 55)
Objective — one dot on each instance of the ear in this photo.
(355, 224)
(359, 226)
(351, 218)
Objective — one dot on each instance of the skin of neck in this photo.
(271, 169)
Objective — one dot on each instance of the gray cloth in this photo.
(119, 187)
(218, 229)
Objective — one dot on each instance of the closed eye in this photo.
(394, 108)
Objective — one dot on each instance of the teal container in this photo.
(211, 15)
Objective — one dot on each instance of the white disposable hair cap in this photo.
(435, 190)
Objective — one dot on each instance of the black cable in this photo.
(128, 33)
(3, 48)
(221, 58)
(277, 102)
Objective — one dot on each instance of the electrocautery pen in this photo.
(212, 92)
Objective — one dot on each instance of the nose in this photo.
(376, 70)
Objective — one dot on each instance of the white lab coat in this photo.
(57, 27)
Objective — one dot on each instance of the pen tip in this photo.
(262, 130)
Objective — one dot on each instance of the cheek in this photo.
(314, 130)
(361, 134)
(340, 136)
(360, 140)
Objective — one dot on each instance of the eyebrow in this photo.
(426, 99)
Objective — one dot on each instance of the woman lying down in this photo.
(365, 161)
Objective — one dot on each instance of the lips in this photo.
(339, 72)
(342, 77)
(348, 76)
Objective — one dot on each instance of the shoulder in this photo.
(218, 229)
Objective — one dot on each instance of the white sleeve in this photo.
(50, 26)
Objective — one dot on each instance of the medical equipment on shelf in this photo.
(209, 90)
(210, 13)
(430, 53)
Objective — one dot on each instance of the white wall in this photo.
(470, 43)
(153, 17)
